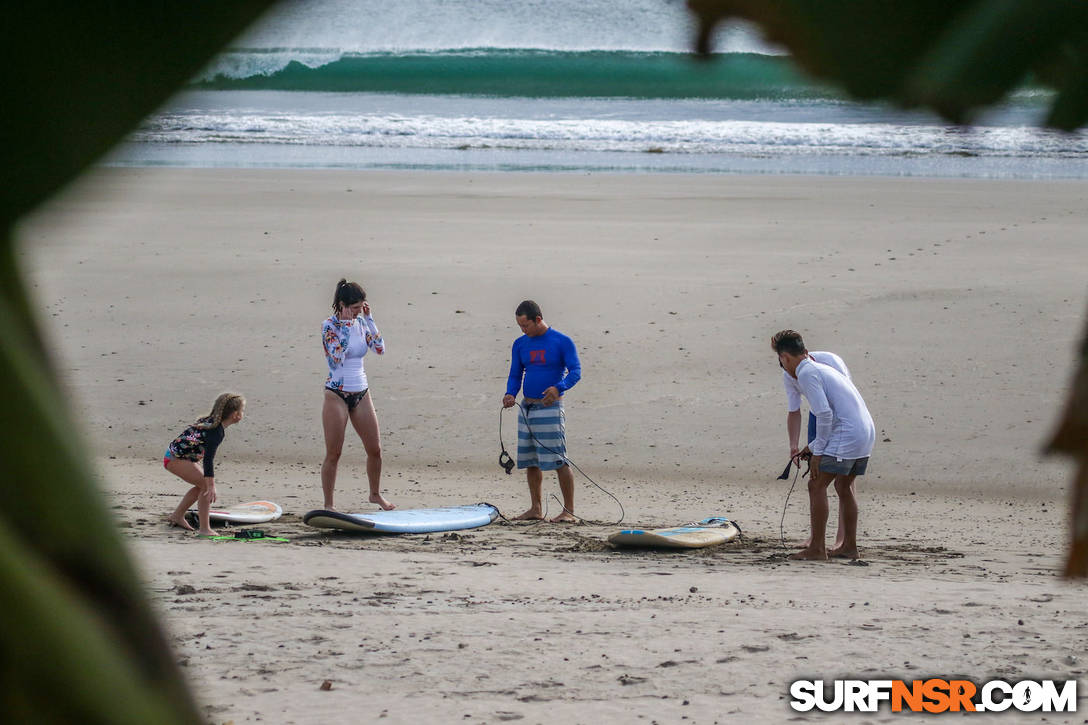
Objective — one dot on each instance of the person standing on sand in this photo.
(347, 335)
(544, 365)
(793, 409)
(198, 442)
(845, 435)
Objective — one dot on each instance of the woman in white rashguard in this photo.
(347, 335)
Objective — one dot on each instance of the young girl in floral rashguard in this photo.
(347, 336)
(200, 441)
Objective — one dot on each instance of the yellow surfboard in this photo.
(708, 532)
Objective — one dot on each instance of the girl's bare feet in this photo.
(179, 523)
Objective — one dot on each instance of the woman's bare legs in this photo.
(365, 421)
(334, 419)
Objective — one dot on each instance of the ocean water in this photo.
(557, 85)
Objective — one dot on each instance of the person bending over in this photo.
(845, 435)
(197, 443)
(793, 408)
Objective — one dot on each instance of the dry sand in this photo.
(956, 304)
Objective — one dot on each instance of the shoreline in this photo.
(450, 162)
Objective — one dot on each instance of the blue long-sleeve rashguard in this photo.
(537, 363)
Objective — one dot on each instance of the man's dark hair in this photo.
(528, 309)
(788, 341)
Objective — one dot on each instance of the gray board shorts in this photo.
(844, 466)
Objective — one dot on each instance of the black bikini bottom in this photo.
(352, 399)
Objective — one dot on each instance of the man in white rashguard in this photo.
(793, 409)
(845, 435)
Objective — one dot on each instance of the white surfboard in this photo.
(405, 521)
(253, 512)
(708, 532)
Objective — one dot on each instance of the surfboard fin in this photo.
(250, 535)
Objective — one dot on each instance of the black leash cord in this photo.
(525, 415)
(508, 464)
(504, 458)
(782, 522)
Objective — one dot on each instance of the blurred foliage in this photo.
(78, 639)
(1071, 438)
(953, 56)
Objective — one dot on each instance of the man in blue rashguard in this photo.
(544, 365)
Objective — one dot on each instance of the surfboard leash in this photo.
(785, 476)
(529, 428)
(505, 460)
(532, 435)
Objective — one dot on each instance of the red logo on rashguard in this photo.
(536, 357)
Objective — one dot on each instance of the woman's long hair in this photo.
(225, 405)
(347, 294)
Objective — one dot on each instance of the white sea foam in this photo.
(605, 134)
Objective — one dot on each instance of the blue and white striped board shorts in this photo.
(542, 443)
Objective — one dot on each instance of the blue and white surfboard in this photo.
(406, 521)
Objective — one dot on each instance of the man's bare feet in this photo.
(808, 543)
(209, 534)
(381, 501)
(809, 555)
(180, 523)
(564, 518)
(533, 514)
(841, 552)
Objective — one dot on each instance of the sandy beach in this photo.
(956, 304)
